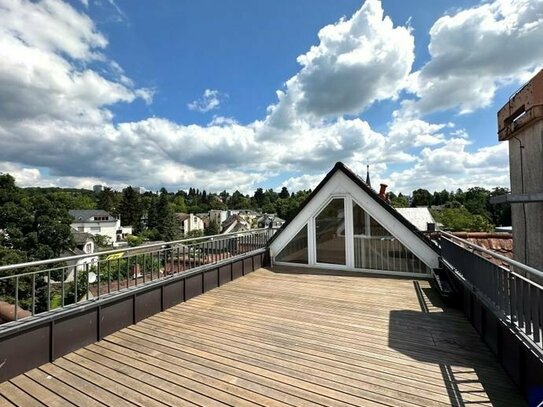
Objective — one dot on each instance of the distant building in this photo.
(84, 244)
(270, 221)
(99, 222)
(421, 218)
(218, 216)
(235, 223)
(189, 222)
(98, 188)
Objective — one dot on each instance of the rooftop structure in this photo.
(280, 338)
(421, 218)
(347, 304)
(520, 123)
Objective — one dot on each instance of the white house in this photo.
(189, 222)
(99, 222)
(84, 243)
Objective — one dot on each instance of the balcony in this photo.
(211, 326)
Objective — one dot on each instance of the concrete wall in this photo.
(527, 230)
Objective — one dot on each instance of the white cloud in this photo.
(54, 112)
(302, 182)
(476, 51)
(358, 61)
(451, 166)
(210, 100)
(41, 47)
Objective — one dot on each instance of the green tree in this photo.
(399, 201)
(167, 226)
(212, 229)
(421, 197)
(284, 194)
(460, 219)
(107, 200)
(131, 209)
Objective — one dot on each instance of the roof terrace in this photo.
(348, 304)
(283, 337)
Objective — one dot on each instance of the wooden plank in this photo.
(124, 391)
(345, 375)
(161, 396)
(67, 392)
(241, 395)
(103, 395)
(39, 392)
(252, 383)
(192, 388)
(285, 339)
(11, 395)
(362, 389)
(139, 371)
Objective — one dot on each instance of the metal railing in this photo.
(385, 253)
(515, 294)
(38, 287)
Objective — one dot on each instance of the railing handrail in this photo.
(125, 249)
(503, 258)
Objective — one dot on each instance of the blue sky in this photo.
(184, 93)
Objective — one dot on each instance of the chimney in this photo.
(382, 191)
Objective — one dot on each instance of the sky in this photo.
(240, 94)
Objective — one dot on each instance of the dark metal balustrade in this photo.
(514, 295)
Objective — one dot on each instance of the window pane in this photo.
(380, 250)
(359, 220)
(296, 250)
(330, 233)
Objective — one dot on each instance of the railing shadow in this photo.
(440, 335)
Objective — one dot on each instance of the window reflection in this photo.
(330, 233)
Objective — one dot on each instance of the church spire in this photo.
(368, 182)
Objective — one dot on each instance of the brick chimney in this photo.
(382, 192)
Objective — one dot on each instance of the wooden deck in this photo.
(276, 339)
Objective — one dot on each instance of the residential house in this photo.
(84, 244)
(235, 223)
(99, 222)
(270, 221)
(189, 222)
(218, 216)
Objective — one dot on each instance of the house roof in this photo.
(80, 238)
(368, 190)
(86, 214)
(419, 217)
(501, 243)
(182, 216)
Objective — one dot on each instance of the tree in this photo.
(460, 219)
(258, 197)
(131, 209)
(421, 197)
(107, 200)
(399, 201)
(152, 215)
(167, 226)
(212, 229)
(284, 194)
